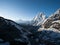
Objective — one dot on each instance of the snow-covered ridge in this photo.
(57, 12)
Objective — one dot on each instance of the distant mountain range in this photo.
(39, 31)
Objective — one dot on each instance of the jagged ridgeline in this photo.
(40, 31)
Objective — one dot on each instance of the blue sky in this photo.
(27, 9)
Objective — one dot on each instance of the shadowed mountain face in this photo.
(21, 34)
(12, 32)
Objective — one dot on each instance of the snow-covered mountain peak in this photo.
(40, 14)
(38, 18)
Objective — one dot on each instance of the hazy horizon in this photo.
(27, 9)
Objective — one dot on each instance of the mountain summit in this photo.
(38, 19)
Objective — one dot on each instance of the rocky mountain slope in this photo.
(52, 20)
